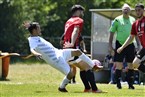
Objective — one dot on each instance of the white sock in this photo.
(86, 59)
(64, 82)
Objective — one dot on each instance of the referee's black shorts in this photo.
(128, 53)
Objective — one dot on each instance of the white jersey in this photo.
(44, 47)
(50, 54)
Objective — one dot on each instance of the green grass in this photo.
(43, 81)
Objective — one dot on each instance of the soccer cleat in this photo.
(131, 87)
(97, 91)
(119, 85)
(62, 89)
(87, 90)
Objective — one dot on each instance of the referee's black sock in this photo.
(117, 77)
(141, 67)
(130, 78)
(84, 79)
(91, 79)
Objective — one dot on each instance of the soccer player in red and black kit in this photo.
(138, 29)
(73, 29)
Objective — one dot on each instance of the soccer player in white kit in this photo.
(57, 58)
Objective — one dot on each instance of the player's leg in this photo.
(118, 71)
(118, 61)
(74, 77)
(69, 53)
(85, 58)
(64, 67)
(130, 76)
(82, 56)
(84, 67)
(130, 55)
(66, 80)
(138, 59)
(85, 81)
(74, 70)
(87, 77)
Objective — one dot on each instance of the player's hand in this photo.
(39, 57)
(61, 43)
(85, 51)
(119, 50)
(68, 45)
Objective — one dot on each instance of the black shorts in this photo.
(128, 53)
(141, 53)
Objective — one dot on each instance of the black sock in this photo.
(73, 79)
(91, 79)
(83, 77)
(130, 77)
(141, 67)
(118, 75)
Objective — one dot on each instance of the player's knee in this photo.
(135, 65)
(83, 66)
(78, 52)
(136, 62)
(130, 66)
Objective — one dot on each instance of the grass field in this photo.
(43, 81)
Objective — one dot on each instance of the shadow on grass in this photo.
(4, 79)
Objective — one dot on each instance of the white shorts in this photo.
(64, 56)
(66, 53)
(60, 63)
(62, 66)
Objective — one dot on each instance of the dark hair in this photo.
(139, 5)
(33, 25)
(77, 7)
(30, 26)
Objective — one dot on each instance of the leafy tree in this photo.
(59, 15)
(13, 14)
(10, 33)
(51, 14)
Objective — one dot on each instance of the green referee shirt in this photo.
(122, 27)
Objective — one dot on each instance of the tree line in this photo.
(51, 14)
